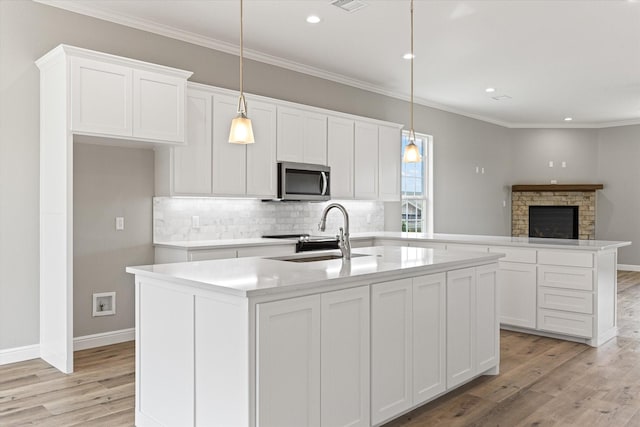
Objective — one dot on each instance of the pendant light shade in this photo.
(411, 151)
(241, 130)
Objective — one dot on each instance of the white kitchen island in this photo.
(268, 342)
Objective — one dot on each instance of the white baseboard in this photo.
(28, 352)
(104, 338)
(19, 354)
(628, 267)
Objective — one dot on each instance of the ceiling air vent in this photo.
(349, 5)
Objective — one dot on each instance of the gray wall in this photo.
(109, 182)
(534, 148)
(618, 210)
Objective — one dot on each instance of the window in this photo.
(417, 187)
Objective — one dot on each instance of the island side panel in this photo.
(164, 354)
(606, 296)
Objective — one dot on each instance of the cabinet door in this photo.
(101, 98)
(487, 325)
(261, 156)
(461, 318)
(517, 296)
(158, 106)
(340, 157)
(429, 336)
(288, 362)
(290, 135)
(389, 143)
(315, 138)
(192, 163)
(345, 358)
(391, 348)
(366, 161)
(229, 160)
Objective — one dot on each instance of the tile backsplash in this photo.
(238, 218)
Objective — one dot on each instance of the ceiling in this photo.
(553, 58)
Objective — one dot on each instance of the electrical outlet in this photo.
(368, 218)
(482, 171)
(554, 181)
(550, 163)
(195, 221)
(477, 169)
(119, 223)
(564, 164)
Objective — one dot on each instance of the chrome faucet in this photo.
(343, 238)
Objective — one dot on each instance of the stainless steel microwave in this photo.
(303, 181)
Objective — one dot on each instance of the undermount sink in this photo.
(328, 257)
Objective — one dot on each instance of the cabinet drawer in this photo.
(561, 299)
(515, 254)
(568, 258)
(565, 277)
(580, 325)
(467, 248)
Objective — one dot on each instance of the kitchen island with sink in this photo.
(282, 342)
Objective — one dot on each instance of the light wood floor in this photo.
(543, 382)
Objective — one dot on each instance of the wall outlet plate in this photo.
(119, 223)
(104, 304)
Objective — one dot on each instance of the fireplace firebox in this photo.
(554, 222)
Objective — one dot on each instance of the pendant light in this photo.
(241, 131)
(411, 151)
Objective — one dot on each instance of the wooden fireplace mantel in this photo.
(557, 187)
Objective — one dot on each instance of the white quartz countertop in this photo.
(255, 276)
(588, 245)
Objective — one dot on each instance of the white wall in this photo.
(109, 182)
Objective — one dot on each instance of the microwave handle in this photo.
(323, 190)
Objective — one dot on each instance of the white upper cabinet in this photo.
(262, 180)
(192, 163)
(101, 97)
(209, 165)
(158, 106)
(340, 133)
(389, 139)
(229, 160)
(366, 161)
(128, 99)
(302, 136)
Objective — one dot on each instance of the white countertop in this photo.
(260, 276)
(589, 245)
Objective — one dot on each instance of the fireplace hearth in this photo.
(553, 222)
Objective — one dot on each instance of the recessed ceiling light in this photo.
(568, 119)
(313, 19)
(490, 89)
(408, 55)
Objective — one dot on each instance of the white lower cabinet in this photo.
(517, 301)
(344, 360)
(312, 356)
(408, 344)
(391, 336)
(288, 362)
(472, 323)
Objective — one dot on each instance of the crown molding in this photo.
(231, 48)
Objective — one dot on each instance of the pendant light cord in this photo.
(412, 135)
(242, 104)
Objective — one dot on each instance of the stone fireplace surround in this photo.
(581, 195)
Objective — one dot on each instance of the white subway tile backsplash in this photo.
(236, 219)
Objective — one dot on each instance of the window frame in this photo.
(427, 220)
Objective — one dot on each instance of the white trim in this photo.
(230, 48)
(104, 338)
(628, 267)
(19, 354)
